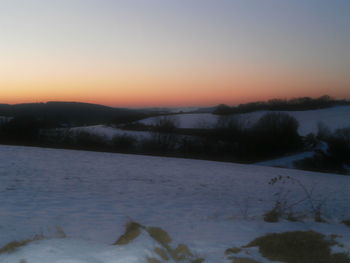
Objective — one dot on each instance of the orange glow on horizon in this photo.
(186, 94)
(200, 87)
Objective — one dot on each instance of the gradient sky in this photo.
(173, 52)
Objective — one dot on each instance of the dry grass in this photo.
(346, 222)
(243, 260)
(132, 231)
(181, 252)
(159, 235)
(164, 252)
(298, 247)
(197, 260)
(153, 260)
(233, 250)
(14, 245)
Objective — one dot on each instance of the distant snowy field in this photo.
(210, 206)
(109, 132)
(334, 118)
(189, 120)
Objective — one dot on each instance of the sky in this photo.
(136, 53)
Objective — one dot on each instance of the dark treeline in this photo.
(296, 104)
(334, 157)
(273, 135)
(230, 139)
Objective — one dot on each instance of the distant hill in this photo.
(71, 113)
(179, 110)
(296, 104)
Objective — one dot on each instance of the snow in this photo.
(210, 206)
(80, 251)
(334, 118)
(110, 132)
(287, 161)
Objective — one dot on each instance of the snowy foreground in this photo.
(209, 206)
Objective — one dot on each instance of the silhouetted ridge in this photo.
(296, 104)
(71, 113)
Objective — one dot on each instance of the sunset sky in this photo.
(136, 53)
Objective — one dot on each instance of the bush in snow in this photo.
(14, 245)
(163, 136)
(346, 222)
(123, 142)
(335, 158)
(294, 207)
(88, 140)
(276, 133)
(164, 251)
(22, 129)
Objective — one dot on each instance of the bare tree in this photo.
(164, 132)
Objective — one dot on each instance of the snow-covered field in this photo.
(210, 206)
(334, 118)
(288, 161)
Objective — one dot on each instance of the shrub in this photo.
(334, 158)
(22, 129)
(339, 145)
(123, 142)
(274, 214)
(165, 124)
(229, 129)
(286, 202)
(191, 145)
(84, 139)
(164, 138)
(323, 131)
(275, 134)
(310, 141)
(320, 162)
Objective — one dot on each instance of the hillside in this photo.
(334, 118)
(68, 112)
(209, 206)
